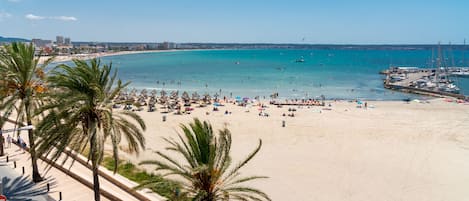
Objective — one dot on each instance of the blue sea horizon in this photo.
(336, 74)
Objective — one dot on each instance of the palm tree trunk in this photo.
(2, 152)
(32, 148)
(95, 165)
(96, 183)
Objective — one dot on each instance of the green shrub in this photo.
(165, 187)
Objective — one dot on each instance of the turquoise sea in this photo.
(342, 74)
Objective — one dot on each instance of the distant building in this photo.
(41, 43)
(168, 45)
(67, 41)
(187, 46)
(59, 40)
(42, 47)
(152, 46)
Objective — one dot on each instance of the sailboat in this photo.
(442, 79)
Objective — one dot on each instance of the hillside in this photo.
(6, 39)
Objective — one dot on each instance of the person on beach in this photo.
(20, 142)
(23, 146)
(9, 140)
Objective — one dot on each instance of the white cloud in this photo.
(64, 18)
(34, 17)
(4, 15)
(14, 1)
(61, 18)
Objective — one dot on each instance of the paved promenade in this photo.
(70, 188)
(19, 187)
(74, 184)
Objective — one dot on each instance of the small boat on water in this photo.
(300, 60)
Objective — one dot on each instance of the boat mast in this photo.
(451, 54)
(432, 62)
(463, 51)
(438, 64)
(445, 62)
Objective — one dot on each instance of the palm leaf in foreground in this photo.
(205, 174)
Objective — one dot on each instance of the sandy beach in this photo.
(391, 151)
(65, 58)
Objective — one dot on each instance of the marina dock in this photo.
(425, 81)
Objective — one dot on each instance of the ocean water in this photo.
(342, 74)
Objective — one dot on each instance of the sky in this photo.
(240, 21)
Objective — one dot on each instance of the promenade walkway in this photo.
(74, 182)
(59, 182)
(19, 187)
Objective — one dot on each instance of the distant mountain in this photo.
(8, 40)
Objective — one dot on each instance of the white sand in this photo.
(396, 151)
(64, 58)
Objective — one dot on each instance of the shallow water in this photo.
(343, 74)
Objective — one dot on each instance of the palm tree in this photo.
(21, 89)
(81, 116)
(206, 169)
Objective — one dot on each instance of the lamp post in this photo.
(1, 185)
(2, 142)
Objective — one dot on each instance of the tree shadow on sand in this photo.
(23, 189)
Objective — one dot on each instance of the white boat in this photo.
(300, 60)
(397, 77)
(451, 88)
(460, 74)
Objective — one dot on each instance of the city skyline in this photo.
(309, 22)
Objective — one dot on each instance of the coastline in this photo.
(392, 150)
(65, 58)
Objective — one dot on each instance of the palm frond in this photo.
(79, 114)
(207, 158)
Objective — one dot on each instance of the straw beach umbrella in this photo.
(195, 97)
